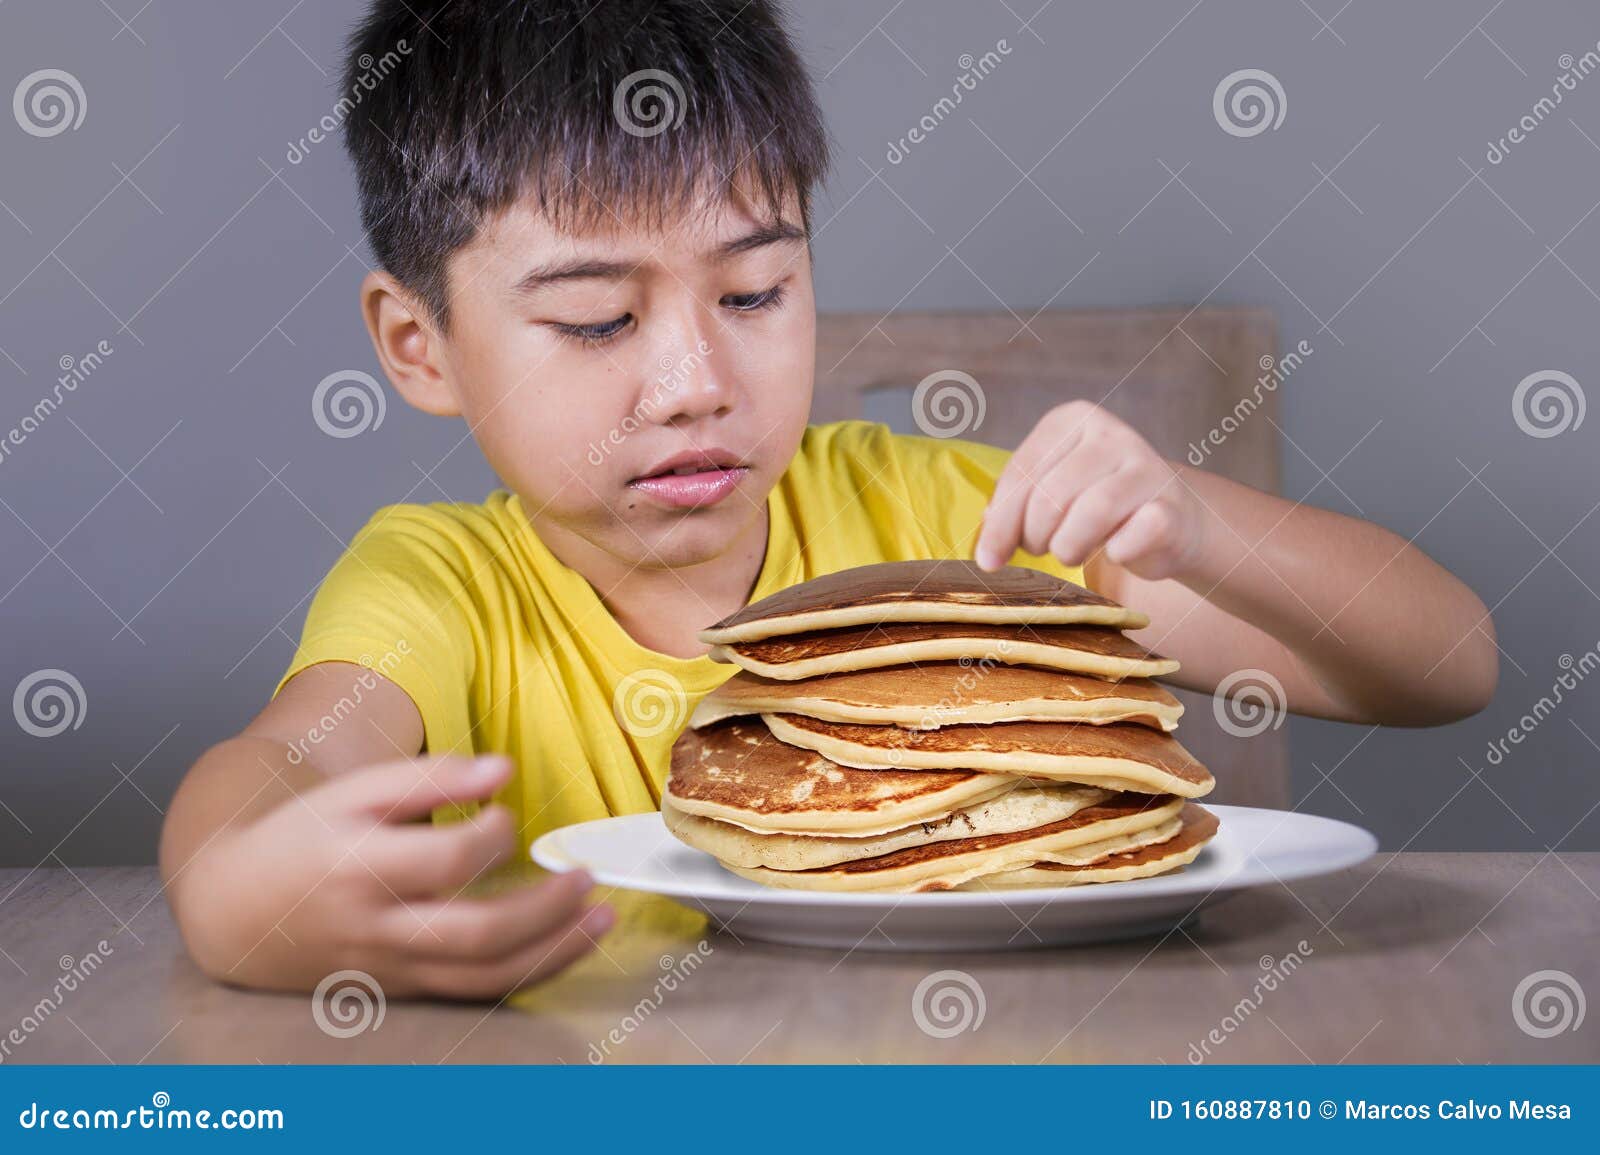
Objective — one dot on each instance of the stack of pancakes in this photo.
(927, 726)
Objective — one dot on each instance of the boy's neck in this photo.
(663, 608)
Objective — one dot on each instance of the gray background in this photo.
(161, 532)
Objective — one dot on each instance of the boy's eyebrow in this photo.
(587, 268)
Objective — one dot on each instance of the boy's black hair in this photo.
(458, 108)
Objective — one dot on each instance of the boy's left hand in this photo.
(1084, 479)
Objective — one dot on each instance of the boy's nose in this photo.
(691, 379)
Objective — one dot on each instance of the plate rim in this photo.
(545, 851)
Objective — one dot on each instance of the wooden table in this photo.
(1408, 958)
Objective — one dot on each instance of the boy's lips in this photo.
(693, 478)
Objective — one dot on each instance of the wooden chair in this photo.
(1172, 373)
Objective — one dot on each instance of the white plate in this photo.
(1252, 847)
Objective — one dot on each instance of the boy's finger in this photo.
(428, 861)
(402, 791)
(537, 960)
(1001, 532)
(484, 929)
(1057, 490)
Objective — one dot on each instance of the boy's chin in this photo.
(688, 539)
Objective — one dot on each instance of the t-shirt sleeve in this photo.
(394, 602)
(949, 482)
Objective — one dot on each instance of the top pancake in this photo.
(933, 694)
(950, 590)
(736, 771)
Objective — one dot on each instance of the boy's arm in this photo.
(287, 857)
(1355, 623)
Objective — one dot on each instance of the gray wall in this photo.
(162, 528)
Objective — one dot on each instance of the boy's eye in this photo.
(749, 302)
(594, 334)
(599, 334)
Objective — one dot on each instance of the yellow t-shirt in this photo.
(505, 649)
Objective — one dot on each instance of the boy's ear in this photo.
(408, 346)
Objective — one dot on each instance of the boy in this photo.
(593, 230)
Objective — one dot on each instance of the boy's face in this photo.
(642, 390)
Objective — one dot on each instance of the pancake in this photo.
(951, 590)
(1138, 818)
(1117, 756)
(736, 771)
(1099, 650)
(1198, 827)
(1024, 807)
(935, 694)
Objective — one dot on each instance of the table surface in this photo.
(1411, 957)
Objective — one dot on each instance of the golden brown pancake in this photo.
(1198, 826)
(736, 771)
(932, 694)
(951, 590)
(1138, 818)
(1099, 650)
(1116, 755)
(1023, 807)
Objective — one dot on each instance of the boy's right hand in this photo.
(341, 877)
